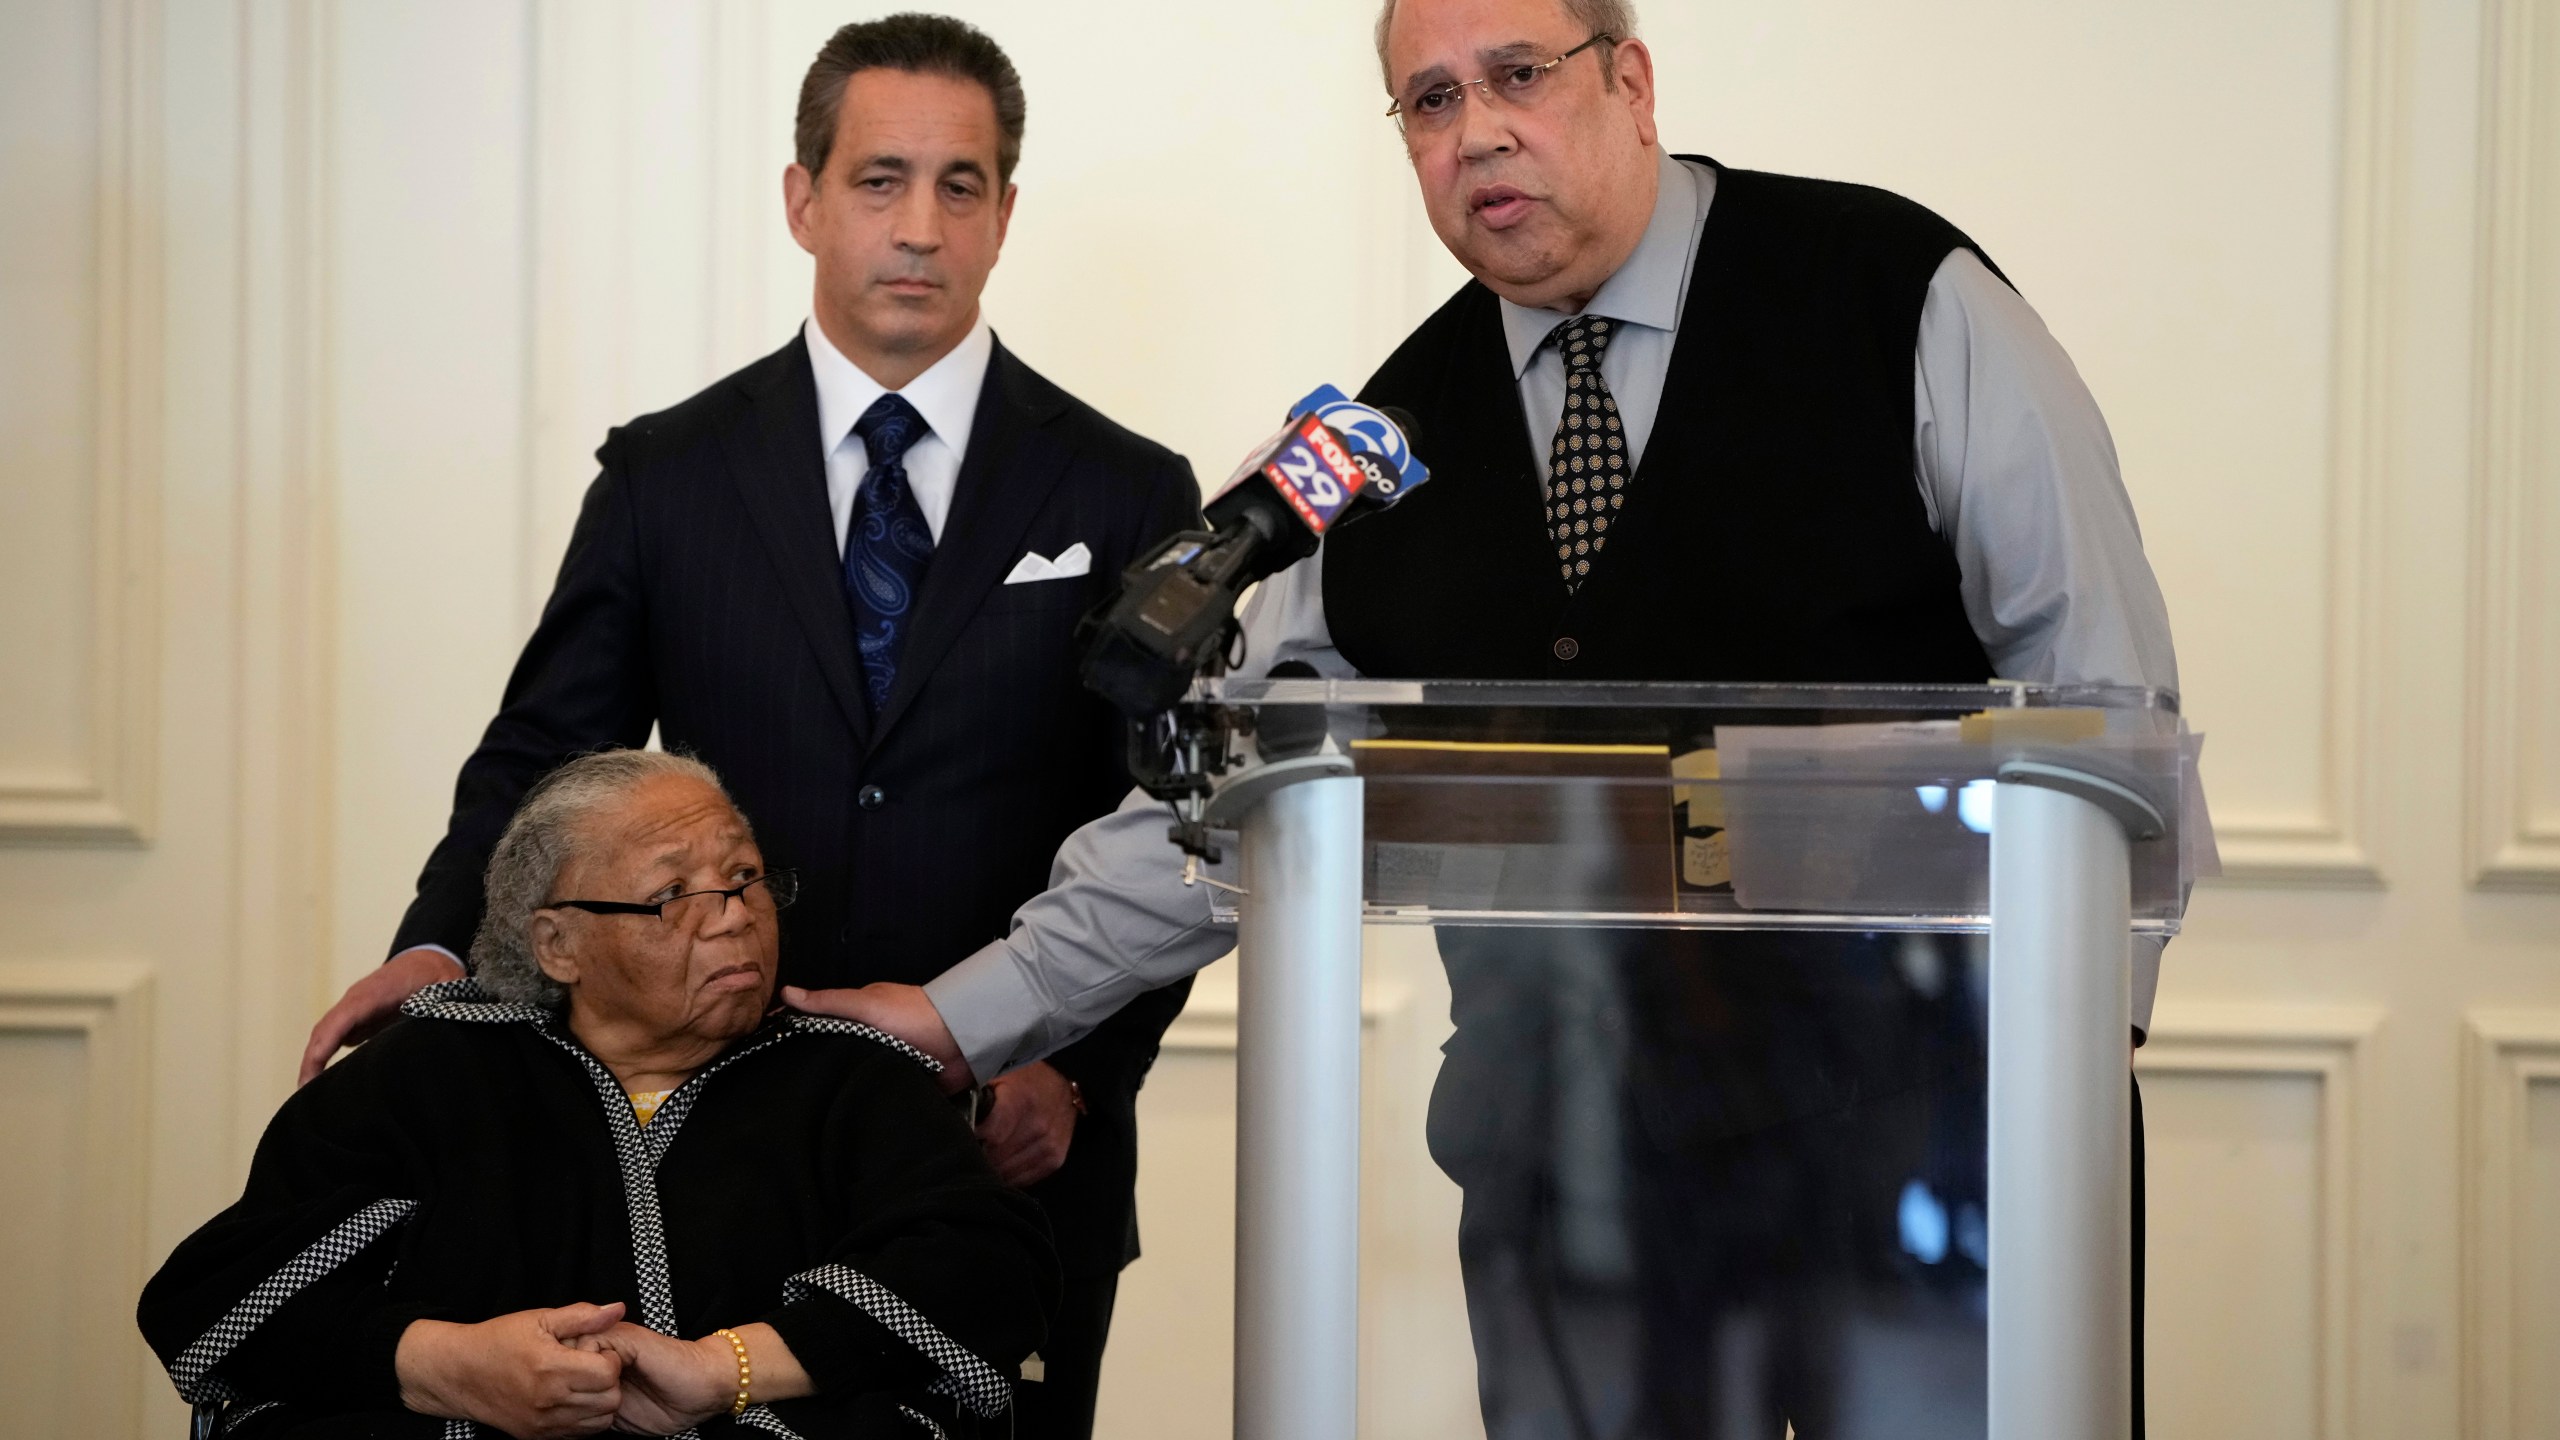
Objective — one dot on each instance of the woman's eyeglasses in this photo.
(776, 888)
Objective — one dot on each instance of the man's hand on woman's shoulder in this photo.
(370, 1003)
(900, 1010)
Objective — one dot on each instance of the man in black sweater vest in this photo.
(1689, 422)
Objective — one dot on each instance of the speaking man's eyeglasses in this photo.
(1432, 109)
(683, 912)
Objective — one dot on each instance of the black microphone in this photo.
(1282, 732)
(1171, 619)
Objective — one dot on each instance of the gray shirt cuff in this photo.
(992, 1011)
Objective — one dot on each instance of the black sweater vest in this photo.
(1774, 531)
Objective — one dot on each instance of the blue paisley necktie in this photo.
(887, 544)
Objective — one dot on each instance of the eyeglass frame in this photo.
(659, 909)
(1397, 111)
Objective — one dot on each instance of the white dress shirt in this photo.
(946, 395)
(2014, 465)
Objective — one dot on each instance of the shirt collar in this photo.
(1645, 291)
(946, 394)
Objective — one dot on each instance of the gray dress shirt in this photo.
(2014, 466)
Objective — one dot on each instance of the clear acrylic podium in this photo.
(2046, 818)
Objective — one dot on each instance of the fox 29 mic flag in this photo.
(1315, 473)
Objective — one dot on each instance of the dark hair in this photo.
(919, 45)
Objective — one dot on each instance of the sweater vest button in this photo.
(871, 797)
(1567, 647)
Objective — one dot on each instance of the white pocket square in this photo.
(1073, 561)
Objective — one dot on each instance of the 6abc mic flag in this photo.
(1371, 434)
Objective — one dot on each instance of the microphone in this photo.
(1287, 731)
(1290, 490)
(1176, 607)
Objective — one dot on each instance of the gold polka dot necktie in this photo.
(1587, 466)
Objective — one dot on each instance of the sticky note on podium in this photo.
(2058, 726)
(1705, 802)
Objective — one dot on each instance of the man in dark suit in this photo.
(848, 577)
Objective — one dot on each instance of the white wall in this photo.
(311, 314)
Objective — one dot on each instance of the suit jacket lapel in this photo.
(1006, 477)
(782, 477)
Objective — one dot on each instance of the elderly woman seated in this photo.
(603, 1184)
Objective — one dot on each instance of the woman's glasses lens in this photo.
(773, 889)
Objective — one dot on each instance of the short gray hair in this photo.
(1614, 18)
(550, 830)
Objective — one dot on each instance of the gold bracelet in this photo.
(746, 1372)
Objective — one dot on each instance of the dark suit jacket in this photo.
(701, 593)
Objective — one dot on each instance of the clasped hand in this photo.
(578, 1370)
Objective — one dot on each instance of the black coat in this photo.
(476, 1161)
(701, 593)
